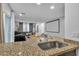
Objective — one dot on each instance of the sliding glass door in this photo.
(7, 28)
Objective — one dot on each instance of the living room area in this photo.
(24, 30)
(21, 21)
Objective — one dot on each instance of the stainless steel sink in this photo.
(50, 45)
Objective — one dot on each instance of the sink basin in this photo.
(52, 44)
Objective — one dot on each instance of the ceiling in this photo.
(37, 13)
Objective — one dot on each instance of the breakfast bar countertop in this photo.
(30, 48)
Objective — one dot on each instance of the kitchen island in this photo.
(31, 48)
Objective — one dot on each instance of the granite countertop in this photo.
(30, 48)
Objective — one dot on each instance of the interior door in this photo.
(20, 26)
(30, 27)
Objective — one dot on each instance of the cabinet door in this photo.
(70, 53)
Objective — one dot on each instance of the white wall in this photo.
(6, 9)
(16, 26)
(62, 29)
(41, 28)
(72, 21)
(25, 27)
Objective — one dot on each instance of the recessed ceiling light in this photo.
(38, 3)
(52, 7)
(21, 14)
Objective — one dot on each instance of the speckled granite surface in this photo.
(30, 48)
